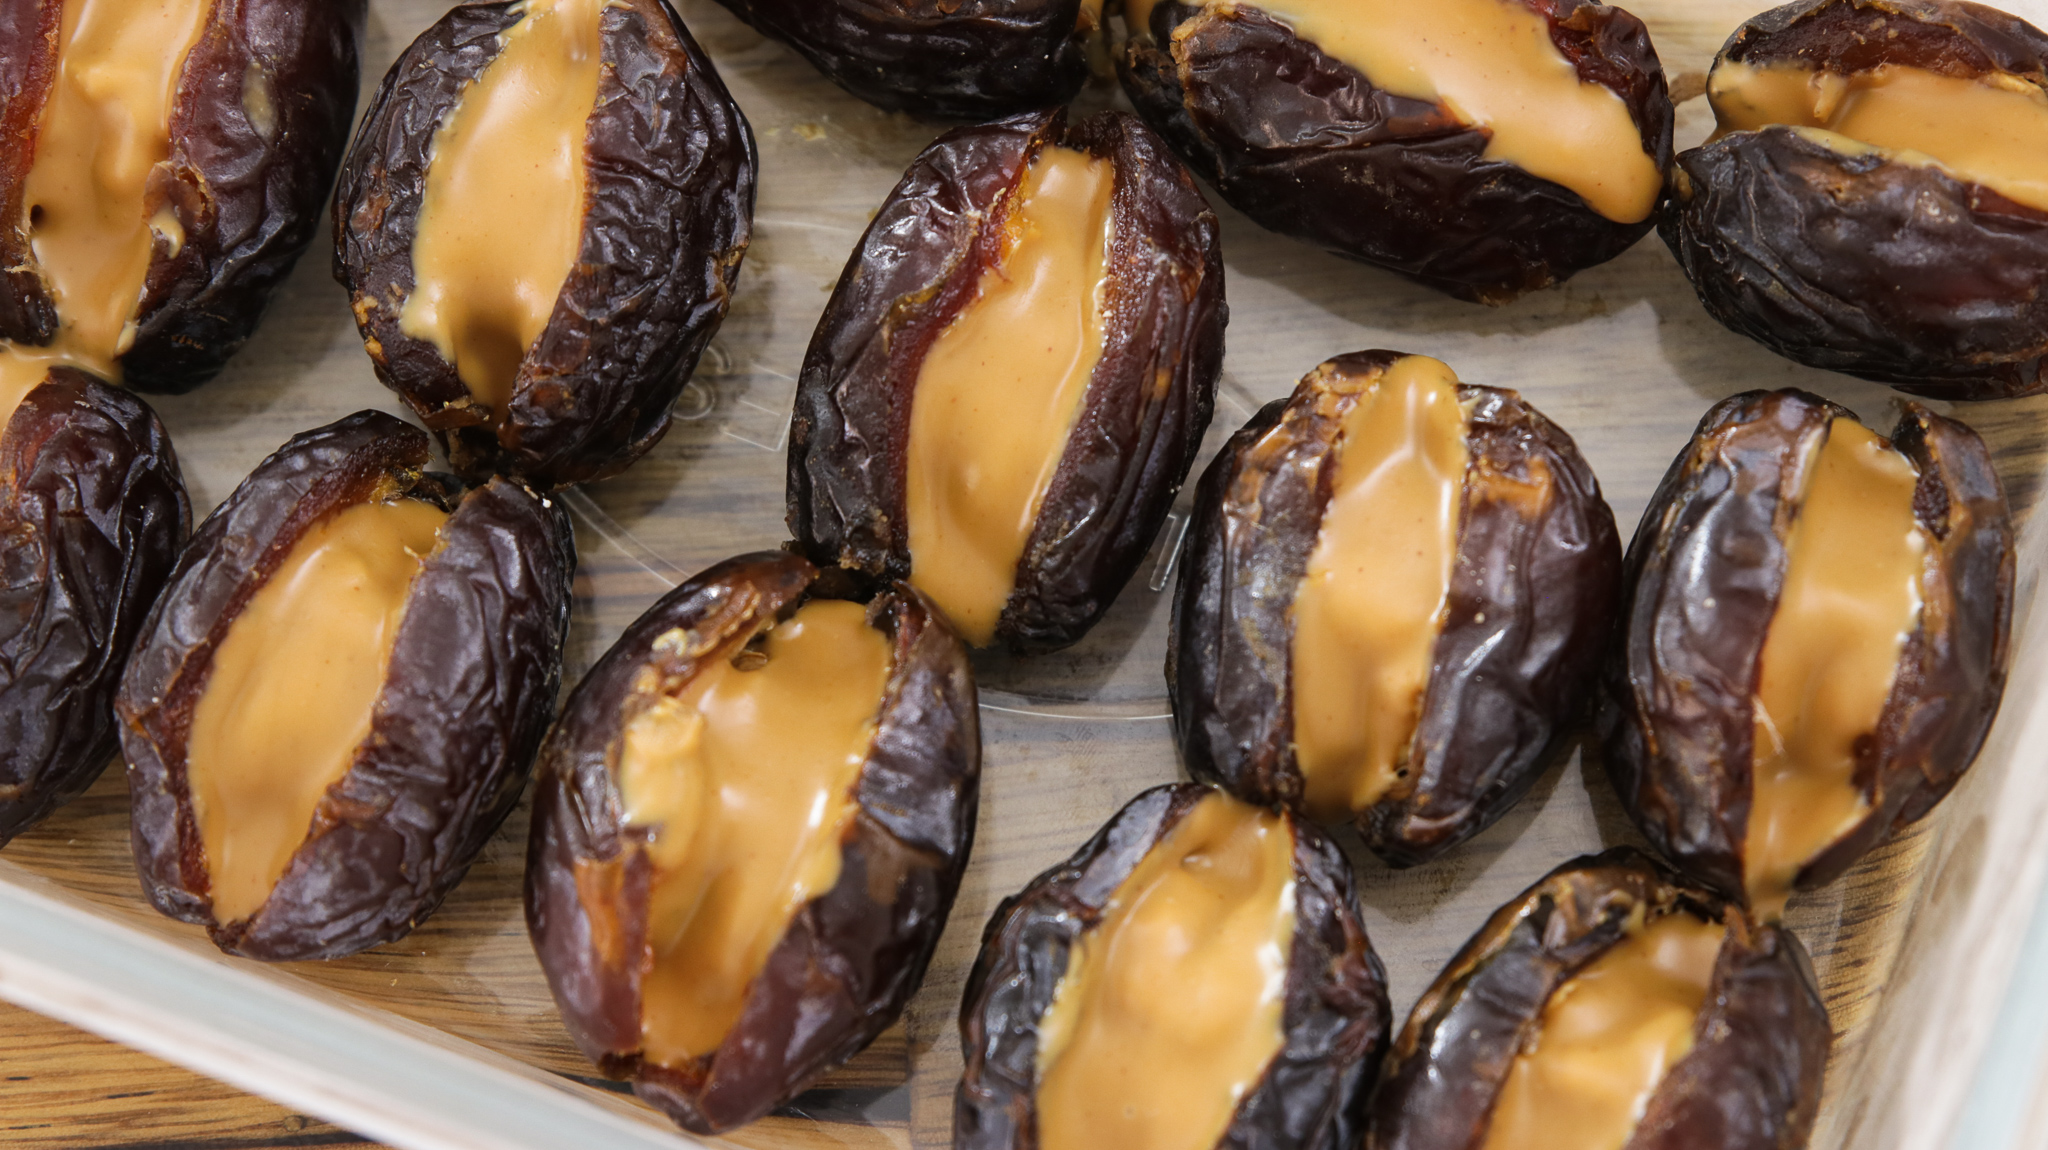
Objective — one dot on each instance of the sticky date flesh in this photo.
(1333, 1020)
(851, 956)
(1533, 581)
(1134, 437)
(258, 123)
(1703, 581)
(448, 748)
(1749, 1080)
(1852, 260)
(1306, 145)
(93, 511)
(667, 206)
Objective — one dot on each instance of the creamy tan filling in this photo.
(22, 370)
(1369, 608)
(1851, 599)
(292, 690)
(501, 223)
(105, 128)
(1991, 131)
(1171, 1005)
(1607, 1038)
(1000, 389)
(746, 779)
(1494, 65)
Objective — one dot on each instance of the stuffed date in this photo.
(337, 698)
(1814, 639)
(1485, 148)
(92, 513)
(975, 60)
(539, 226)
(165, 166)
(1394, 597)
(1875, 200)
(1013, 375)
(1610, 1005)
(1195, 976)
(751, 820)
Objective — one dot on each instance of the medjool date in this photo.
(1484, 148)
(1196, 975)
(92, 513)
(165, 167)
(1815, 639)
(1392, 605)
(1013, 375)
(1610, 1005)
(539, 226)
(336, 700)
(1875, 200)
(972, 60)
(751, 821)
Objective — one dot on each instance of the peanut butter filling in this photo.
(746, 780)
(292, 690)
(1369, 609)
(1607, 1038)
(1991, 131)
(105, 128)
(1000, 389)
(501, 223)
(22, 370)
(1851, 599)
(1494, 65)
(1171, 1005)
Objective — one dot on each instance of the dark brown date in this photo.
(1748, 1075)
(715, 1024)
(1845, 256)
(458, 695)
(258, 119)
(1720, 623)
(969, 61)
(1304, 1088)
(1305, 143)
(920, 274)
(92, 513)
(652, 229)
(1506, 642)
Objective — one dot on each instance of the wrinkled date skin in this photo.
(1305, 145)
(1899, 273)
(976, 60)
(467, 693)
(1147, 404)
(1703, 579)
(246, 190)
(1532, 595)
(92, 514)
(1751, 1081)
(668, 211)
(1335, 1020)
(852, 956)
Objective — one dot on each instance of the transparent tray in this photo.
(449, 1038)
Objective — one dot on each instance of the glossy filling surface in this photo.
(501, 223)
(1000, 389)
(745, 780)
(1494, 65)
(22, 370)
(292, 689)
(105, 128)
(1991, 131)
(1607, 1037)
(1851, 599)
(1170, 1008)
(1370, 607)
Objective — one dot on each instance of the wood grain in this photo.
(1623, 357)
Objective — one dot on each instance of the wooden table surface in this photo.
(63, 1087)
